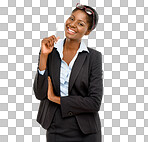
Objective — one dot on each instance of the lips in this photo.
(70, 31)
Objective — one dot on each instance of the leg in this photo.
(96, 137)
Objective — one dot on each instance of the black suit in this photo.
(85, 90)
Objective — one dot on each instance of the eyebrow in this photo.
(79, 20)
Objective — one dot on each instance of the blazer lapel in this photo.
(56, 64)
(76, 69)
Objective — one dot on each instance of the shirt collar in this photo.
(60, 43)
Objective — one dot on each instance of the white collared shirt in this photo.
(65, 70)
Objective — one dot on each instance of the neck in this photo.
(72, 45)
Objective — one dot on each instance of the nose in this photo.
(73, 24)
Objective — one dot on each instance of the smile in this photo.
(70, 31)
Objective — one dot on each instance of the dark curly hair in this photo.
(90, 19)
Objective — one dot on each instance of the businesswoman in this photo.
(69, 82)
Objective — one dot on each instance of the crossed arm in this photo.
(76, 104)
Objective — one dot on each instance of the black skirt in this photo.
(68, 130)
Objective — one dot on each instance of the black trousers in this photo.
(67, 130)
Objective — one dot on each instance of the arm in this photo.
(51, 96)
(91, 103)
(40, 84)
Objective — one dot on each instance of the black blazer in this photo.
(85, 90)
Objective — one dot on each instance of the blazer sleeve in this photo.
(73, 105)
(40, 85)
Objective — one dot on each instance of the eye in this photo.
(71, 18)
(80, 24)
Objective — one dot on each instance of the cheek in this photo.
(83, 30)
(67, 22)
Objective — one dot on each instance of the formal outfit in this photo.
(80, 87)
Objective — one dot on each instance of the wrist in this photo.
(56, 99)
(43, 61)
(43, 55)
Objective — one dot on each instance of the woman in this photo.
(69, 82)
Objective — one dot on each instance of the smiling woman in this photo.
(80, 22)
(69, 82)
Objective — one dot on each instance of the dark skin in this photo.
(76, 22)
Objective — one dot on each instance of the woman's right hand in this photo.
(47, 44)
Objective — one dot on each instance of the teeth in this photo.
(71, 30)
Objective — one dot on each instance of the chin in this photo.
(69, 36)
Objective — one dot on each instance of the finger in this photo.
(50, 83)
(57, 38)
(52, 40)
(49, 80)
(46, 44)
(46, 41)
(45, 38)
(50, 43)
(48, 93)
(51, 37)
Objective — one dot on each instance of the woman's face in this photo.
(76, 25)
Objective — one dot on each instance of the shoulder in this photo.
(93, 52)
(95, 60)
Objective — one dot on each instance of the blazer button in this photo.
(70, 113)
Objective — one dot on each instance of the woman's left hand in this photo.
(50, 92)
(51, 96)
